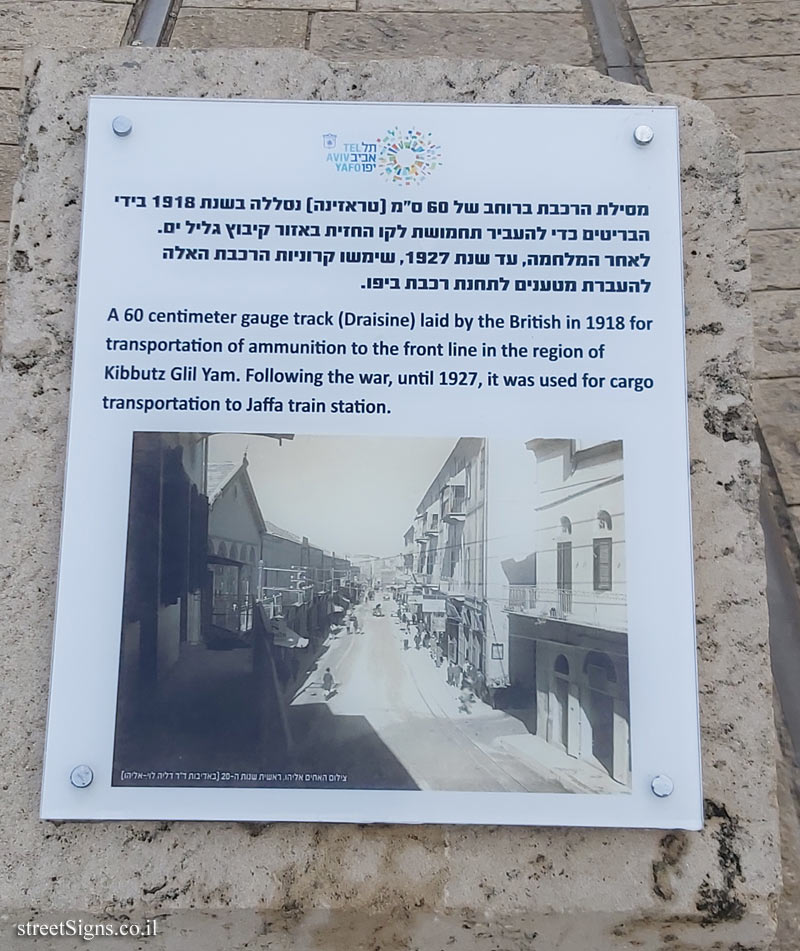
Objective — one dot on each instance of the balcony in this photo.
(454, 503)
(271, 605)
(457, 588)
(601, 609)
(287, 597)
(547, 602)
(433, 529)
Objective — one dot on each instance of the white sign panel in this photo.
(327, 354)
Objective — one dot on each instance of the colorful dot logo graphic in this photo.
(405, 157)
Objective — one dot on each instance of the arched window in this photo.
(603, 521)
(561, 665)
(234, 555)
(566, 526)
(600, 669)
(601, 679)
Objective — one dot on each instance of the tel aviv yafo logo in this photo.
(406, 157)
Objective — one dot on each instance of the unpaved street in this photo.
(393, 721)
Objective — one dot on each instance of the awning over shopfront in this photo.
(472, 619)
(220, 560)
(286, 637)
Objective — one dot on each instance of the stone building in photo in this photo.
(519, 570)
(235, 530)
(165, 570)
(447, 550)
(567, 620)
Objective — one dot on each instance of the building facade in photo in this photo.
(567, 606)
(517, 554)
(235, 530)
(446, 548)
(218, 604)
(165, 571)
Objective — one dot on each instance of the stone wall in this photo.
(328, 887)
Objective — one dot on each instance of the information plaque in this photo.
(377, 495)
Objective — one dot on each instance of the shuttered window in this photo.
(602, 564)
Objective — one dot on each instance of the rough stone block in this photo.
(763, 123)
(773, 190)
(778, 408)
(638, 4)
(10, 69)
(62, 23)
(200, 28)
(717, 78)
(309, 887)
(9, 166)
(271, 4)
(471, 6)
(767, 28)
(9, 117)
(777, 321)
(774, 259)
(540, 37)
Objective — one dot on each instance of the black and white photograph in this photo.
(374, 613)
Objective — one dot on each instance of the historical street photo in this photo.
(377, 613)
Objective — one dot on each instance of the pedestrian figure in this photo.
(327, 683)
(416, 640)
(452, 673)
(356, 625)
(479, 683)
(466, 698)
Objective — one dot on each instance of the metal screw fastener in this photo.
(643, 135)
(122, 126)
(81, 776)
(662, 786)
